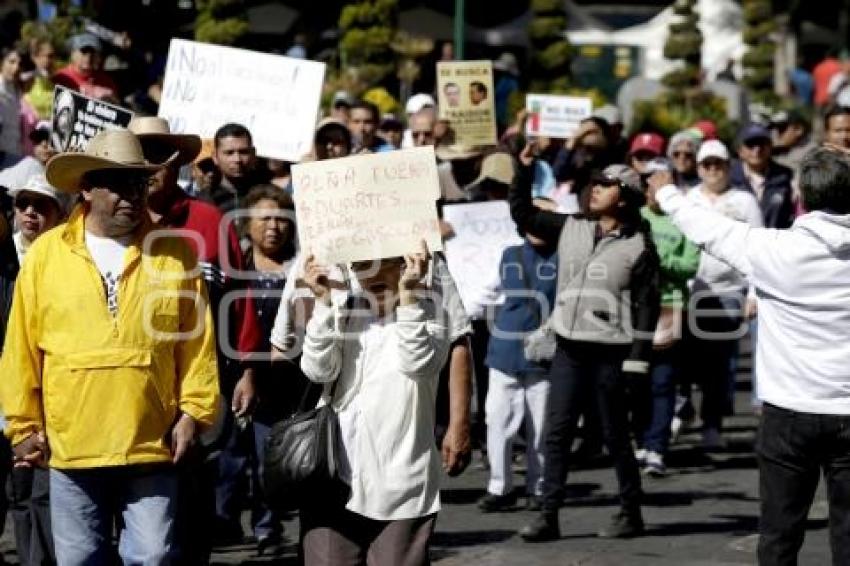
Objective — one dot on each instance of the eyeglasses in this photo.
(40, 205)
(712, 163)
(422, 134)
(758, 142)
(682, 154)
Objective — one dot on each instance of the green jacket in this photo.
(679, 258)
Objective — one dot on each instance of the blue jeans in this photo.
(83, 504)
(665, 371)
(266, 522)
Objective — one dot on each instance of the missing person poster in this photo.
(77, 119)
(368, 206)
(465, 96)
(555, 116)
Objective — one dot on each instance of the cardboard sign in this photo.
(368, 206)
(465, 95)
(275, 97)
(555, 116)
(482, 232)
(76, 119)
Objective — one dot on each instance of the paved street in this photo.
(705, 513)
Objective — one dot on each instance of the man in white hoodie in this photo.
(800, 276)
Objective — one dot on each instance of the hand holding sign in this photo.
(316, 278)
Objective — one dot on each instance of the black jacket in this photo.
(777, 205)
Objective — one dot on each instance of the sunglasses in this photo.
(119, 181)
(758, 142)
(422, 134)
(40, 205)
(712, 163)
(682, 154)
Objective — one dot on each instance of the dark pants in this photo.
(655, 404)
(231, 484)
(29, 496)
(333, 536)
(586, 371)
(480, 340)
(712, 352)
(792, 449)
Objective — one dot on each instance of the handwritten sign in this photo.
(555, 116)
(76, 119)
(275, 97)
(368, 206)
(465, 95)
(482, 232)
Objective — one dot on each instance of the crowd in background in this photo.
(586, 200)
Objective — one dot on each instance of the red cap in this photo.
(647, 142)
(708, 129)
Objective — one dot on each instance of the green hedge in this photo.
(556, 56)
(547, 27)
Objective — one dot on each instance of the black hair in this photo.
(479, 86)
(267, 191)
(366, 105)
(232, 130)
(824, 178)
(833, 111)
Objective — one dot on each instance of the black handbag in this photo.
(301, 458)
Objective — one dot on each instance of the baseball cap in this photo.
(626, 177)
(753, 132)
(712, 148)
(83, 40)
(708, 129)
(38, 184)
(419, 101)
(342, 98)
(650, 142)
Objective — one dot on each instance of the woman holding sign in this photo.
(604, 316)
(382, 352)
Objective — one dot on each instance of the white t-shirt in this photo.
(108, 255)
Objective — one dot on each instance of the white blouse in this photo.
(388, 373)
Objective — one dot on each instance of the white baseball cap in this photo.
(419, 101)
(38, 184)
(712, 148)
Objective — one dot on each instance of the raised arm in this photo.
(321, 360)
(542, 223)
(722, 237)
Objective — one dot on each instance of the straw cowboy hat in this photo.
(156, 130)
(110, 149)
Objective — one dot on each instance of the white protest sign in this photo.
(275, 97)
(555, 116)
(367, 206)
(482, 232)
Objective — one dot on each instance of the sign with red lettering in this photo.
(368, 206)
(555, 116)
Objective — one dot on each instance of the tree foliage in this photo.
(759, 59)
(368, 28)
(551, 52)
(684, 45)
(220, 21)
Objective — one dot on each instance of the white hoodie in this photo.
(802, 281)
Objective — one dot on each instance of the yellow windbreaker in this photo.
(107, 390)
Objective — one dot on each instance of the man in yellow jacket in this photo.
(109, 367)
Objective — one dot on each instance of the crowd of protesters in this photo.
(152, 339)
